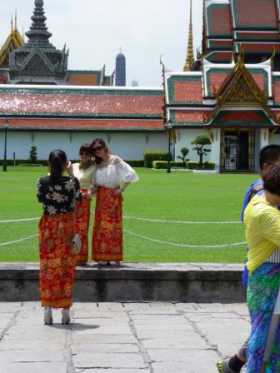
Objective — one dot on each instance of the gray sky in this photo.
(94, 30)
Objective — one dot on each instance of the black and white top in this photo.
(58, 196)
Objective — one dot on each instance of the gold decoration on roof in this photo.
(190, 56)
(14, 40)
(241, 90)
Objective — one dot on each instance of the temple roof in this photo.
(232, 26)
(223, 95)
(38, 61)
(79, 107)
(13, 41)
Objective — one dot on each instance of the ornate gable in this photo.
(240, 89)
(241, 94)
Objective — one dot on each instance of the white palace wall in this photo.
(128, 145)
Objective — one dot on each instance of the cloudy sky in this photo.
(95, 30)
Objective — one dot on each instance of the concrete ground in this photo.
(121, 338)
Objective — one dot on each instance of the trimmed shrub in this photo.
(136, 163)
(205, 166)
(33, 154)
(163, 165)
(151, 156)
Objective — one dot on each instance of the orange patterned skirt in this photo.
(57, 263)
(107, 241)
(82, 216)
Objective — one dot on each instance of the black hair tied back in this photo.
(57, 162)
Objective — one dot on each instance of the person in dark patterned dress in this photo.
(58, 195)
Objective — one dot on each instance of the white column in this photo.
(215, 135)
(264, 137)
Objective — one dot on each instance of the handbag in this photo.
(76, 244)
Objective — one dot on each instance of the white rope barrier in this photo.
(180, 221)
(146, 238)
(164, 221)
(18, 220)
(18, 241)
(185, 245)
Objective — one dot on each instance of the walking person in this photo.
(269, 156)
(262, 229)
(58, 194)
(84, 171)
(112, 176)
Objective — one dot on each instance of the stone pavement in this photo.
(121, 338)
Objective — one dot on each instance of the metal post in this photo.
(169, 129)
(167, 123)
(5, 148)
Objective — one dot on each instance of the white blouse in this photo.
(84, 175)
(114, 173)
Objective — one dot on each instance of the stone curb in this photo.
(133, 282)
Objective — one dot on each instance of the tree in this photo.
(33, 154)
(184, 151)
(200, 142)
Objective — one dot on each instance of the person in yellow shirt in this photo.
(262, 230)
(84, 171)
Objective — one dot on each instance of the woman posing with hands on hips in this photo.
(112, 175)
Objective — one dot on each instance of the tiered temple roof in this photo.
(38, 62)
(77, 108)
(237, 26)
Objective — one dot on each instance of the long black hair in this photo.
(57, 163)
(100, 143)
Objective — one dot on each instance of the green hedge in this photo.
(136, 163)
(163, 165)
(205, 166)
(151, 156)
(28, 162)
(25, 162)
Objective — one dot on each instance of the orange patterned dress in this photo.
(107, 241)
(82, 217)
(57, 263)
(82, 209)
(107, 233)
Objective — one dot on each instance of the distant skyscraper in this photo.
(120, 70)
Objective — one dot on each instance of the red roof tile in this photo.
(186, 116)
(24, 101)
(219, 19)
(255, 13)
(82, 124)
(188, 91)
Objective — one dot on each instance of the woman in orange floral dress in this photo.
(112, 175)
(83, 171)
(58, 195)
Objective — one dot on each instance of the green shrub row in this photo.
(136, 163)
(162, 165)
(150, 157)
(197, 166)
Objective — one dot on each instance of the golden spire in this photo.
(12, 24)
(190, 58)
(16, 21)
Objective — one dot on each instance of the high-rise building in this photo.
(120, 70)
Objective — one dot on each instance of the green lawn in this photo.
(160, 196)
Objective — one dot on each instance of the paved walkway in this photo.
(121, 338)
